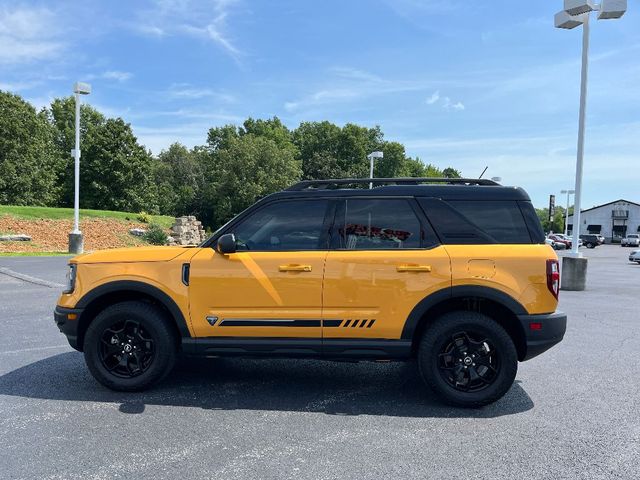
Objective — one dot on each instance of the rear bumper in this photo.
(542, 332)
(68, 326)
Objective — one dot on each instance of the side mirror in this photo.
(227, 244)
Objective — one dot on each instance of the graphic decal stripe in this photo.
(270, 322)
(331, 323)
(279, 322)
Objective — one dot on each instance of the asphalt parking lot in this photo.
(573, 412)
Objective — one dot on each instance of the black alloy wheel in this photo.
(126, 349)
(129, 346)
(467, 359)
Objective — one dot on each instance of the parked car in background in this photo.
(590, 241)
(635, 256)
(569, 239)
(631, 240)
(558, 238)
(555, 245)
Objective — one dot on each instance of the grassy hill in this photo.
(50, 213)
(49, 228)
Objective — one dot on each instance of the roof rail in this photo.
(323, 184)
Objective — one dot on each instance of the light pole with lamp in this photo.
(576, 13)
(372, 156)
(566, 213)
(76, 243)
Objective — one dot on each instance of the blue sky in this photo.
(461, 83)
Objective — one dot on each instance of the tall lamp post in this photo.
(372, 156)
(566, 212)
(76, 243)
(576, 13)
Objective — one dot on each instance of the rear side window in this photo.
(376, 224)
(475, 222)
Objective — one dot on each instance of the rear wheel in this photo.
(129, 346)
(590, 245)
(467, 359)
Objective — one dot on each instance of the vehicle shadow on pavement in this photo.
(333, 388)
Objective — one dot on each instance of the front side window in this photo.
(288, 225)
(377, 224)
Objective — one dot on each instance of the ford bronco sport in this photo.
(454, 273)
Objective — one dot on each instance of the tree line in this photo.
(236, 166)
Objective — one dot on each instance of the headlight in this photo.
(71, 278)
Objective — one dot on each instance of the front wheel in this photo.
(130, 346)
(467, 359)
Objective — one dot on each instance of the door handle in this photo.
(413, 268)
(294, 267)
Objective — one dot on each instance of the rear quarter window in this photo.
(470, 222)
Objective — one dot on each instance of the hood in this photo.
(135, 254)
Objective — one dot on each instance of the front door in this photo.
(384, 260)
(272, 286)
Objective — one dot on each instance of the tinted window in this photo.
(468, 222)
(499, 219)
(295, 225)
(377, 224)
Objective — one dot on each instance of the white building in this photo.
(612, 220)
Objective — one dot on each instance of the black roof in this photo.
(447, 189)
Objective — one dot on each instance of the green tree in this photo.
(27, 163)
(179, 177)
(556, 224)
(451, 173)
(62, 118)
(117, 171)
(273, 129)
(344, 150)
(247, 168)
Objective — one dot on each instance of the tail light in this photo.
(553, 277)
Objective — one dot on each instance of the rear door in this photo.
(384, 259)
(272, 286)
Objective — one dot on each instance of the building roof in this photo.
(605, 204)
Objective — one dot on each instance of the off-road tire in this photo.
(156, 326)
(436, 336)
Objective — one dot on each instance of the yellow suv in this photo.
(452, 272)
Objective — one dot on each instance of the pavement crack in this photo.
(30, 279)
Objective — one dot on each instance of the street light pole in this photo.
(76, 242)
(372, 156)
(566, 212)
(76, 170)
(574, 14)
(577, 199)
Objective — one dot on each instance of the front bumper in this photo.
(68, 325)
(542, 332)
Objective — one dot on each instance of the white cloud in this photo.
(206, 20)
(188, 91)
(435, 96)
(29, 34)
(445, 102)
(18, 86)
(117, 75)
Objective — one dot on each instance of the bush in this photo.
(143, 217)
(155, 235)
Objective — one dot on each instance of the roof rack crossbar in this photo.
(322, 184)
